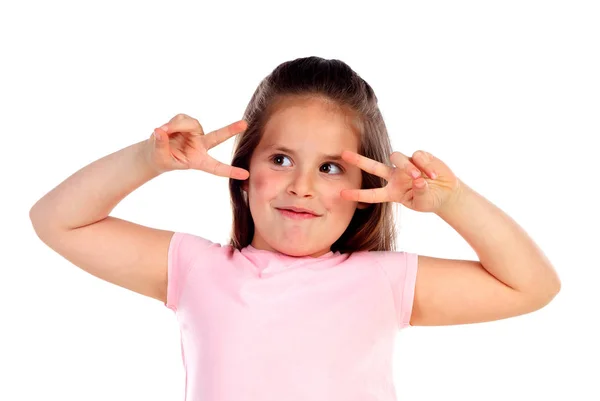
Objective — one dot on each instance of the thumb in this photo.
(420, 186)
(159, 137)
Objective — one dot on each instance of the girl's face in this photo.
(291, 167)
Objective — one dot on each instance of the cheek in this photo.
(352, 180)
(332, 195)
(263, 182)
(260, 182)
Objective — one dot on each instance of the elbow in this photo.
(543, 298)
(542, 293)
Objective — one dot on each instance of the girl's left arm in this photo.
(512, 276)
(504, 248)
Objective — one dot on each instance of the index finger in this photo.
(368, 165)
(213, 166)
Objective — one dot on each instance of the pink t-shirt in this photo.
(262, 326)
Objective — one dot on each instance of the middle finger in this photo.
(222, 134)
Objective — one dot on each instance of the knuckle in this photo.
(423, 155)
(197, 124)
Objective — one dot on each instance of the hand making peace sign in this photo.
(422, 183)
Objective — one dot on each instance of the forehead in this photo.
(310, 125)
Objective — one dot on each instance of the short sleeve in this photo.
(401, 269)
(184, 249)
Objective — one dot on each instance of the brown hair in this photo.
(371, 229)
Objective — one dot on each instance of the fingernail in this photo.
(165, 128)
(415, 174)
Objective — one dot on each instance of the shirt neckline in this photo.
(251, 249)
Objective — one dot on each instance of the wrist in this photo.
(144, 154)
(456, 198)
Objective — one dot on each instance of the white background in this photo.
(506, 93)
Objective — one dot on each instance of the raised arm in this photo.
(73, 218)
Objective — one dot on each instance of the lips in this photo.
(298, 210)
(296, 215)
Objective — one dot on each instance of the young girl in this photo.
(305, 301)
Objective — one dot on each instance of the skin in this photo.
(303, 178)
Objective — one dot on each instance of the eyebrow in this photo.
(286, 150)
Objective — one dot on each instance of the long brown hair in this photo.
(372, 228)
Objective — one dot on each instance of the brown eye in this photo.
(276, 158)
(332, 164)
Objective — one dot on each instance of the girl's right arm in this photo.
(73, 218)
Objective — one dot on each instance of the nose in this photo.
(301, 184)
